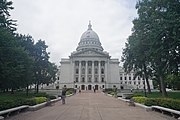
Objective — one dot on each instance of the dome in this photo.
(89, 40)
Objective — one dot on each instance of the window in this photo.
(83, 63)
(58, 78)
(102, 71)
(76, 63)
(124, 78)
(129, 78)
(76, 79)
(83, 71)
(89, 63)
(138, 78)
(102, 79)
(102, 63)
(89, 79)
(96, 80)
(96, 71)
(95, 63)
(83, 79)
(77, 71)
(89, 71)
(120, 78)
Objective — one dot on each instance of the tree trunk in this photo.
(163, 89)
(27, 90)
(37, 87)
(12, 91)
(146, 78)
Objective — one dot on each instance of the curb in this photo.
(147, 108)
(39, 106)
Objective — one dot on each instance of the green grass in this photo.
(175, 95)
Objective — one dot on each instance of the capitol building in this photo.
(91, 67)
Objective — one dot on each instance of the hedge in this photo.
(7, 104)
(163, 102)
(140, 99)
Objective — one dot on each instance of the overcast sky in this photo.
(61, 23)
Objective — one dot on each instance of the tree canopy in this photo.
(23, 62)
(154, 44)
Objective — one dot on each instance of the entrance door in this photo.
(89, 87)
(96, 87)
(82, 87)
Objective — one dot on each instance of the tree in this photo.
(156, 32)
(41, 62)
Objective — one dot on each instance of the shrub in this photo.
(140, 99)
(7, 104)
(38, 100)
(164, 102)
(69, 92)
(52, 97)
(42, 94)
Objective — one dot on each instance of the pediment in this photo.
(90, 53)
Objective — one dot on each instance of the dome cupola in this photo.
(89, 40)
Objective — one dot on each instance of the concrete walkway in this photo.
(90, 106)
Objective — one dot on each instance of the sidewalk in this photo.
(91, 106)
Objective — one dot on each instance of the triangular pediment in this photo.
(90, 52)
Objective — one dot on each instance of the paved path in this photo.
(90, 106)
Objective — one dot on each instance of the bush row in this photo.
(7, 104)
(164, 102)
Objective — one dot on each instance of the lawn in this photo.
(175, 95)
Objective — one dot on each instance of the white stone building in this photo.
(91, 67)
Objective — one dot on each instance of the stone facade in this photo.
(91, 67)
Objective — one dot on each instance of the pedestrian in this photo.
(94, 90)
(63, 95)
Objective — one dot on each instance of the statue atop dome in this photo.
(89, 26)
(89, 40)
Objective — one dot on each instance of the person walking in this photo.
(63, 95)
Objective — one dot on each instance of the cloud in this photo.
(61, 23)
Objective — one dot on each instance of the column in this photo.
(99, 70)
(86, 72)
(105, 71)
(79, 77)
(73, 74)
(92, 71)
